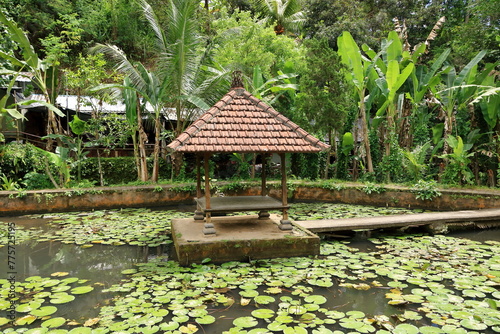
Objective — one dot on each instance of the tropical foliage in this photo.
(403, 90)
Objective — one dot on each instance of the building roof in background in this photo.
(88, 105)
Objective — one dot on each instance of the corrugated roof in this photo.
(240, 122)
(88, 104)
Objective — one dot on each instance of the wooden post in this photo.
(285, 223)
(198, 177)
(207, 181)
(209, 227)
(198, 214)
(264, 214)
(263, 174)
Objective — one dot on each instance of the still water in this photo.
(102, 266)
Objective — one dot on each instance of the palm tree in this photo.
(177, 80)
(286, 15)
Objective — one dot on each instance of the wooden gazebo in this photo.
(241, 123)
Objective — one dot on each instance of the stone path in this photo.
(418, 219)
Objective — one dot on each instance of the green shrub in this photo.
(371, 188)
(17, 160)
(118, 170)
(34, 180)
(426, 190)
(308, 165)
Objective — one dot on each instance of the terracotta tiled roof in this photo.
(240, 122)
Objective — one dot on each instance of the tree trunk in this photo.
(405, 136)
(136, 154)
(366, 140)
(327, 164)
(101, 174)
(156, 154)
(142, 147)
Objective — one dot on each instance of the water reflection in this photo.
(100, 264)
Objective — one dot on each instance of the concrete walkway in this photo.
(394, 221)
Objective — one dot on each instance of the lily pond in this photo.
(114, 271)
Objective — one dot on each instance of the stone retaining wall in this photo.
(18, 203)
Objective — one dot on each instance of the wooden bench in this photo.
(240, 203)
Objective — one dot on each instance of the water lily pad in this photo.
(262, 299)
(82, 289)
(205, 320)
(430, 330)
(188, 329)
(263, 313)
(473, 324)
(28, 307)
(54, 322)
(26, 320)
(129, 271)
(61, 298)
(81, 330)
(44, 311)
(473, 293)
(249, 293)
(169, 326)
(295, 330)
(315, 299)
(37, 331)
(245, 322)
(406, 329)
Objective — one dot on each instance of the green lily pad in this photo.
(263, 313)
(315, 299)
(44, 311)
(205, 320)
(61, 298)
(295, 330)
(37, 331)
(81, 290)
(473, 324)
(28, 307)
(249, 293)
(405, 329)
(264, 300)
(81, 330)
(245, 322)
(169, 326)
(54, 322)
(430, 330)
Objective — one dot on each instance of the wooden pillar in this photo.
(264, 214)
(209, 227)
(263, 191)
(285, 223)
(207, 180)
(198, 176)
(198, 214)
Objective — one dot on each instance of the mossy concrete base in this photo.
(240, 238)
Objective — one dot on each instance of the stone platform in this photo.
(240, 238)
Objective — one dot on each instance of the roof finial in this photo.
(237, 81)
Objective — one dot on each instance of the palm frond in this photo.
(121, 63)
(161, 41)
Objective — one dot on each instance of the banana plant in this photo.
(359, 71)
(423, 78)
(456, 92)
(44, 72)
(458, 161)
(274, 87)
